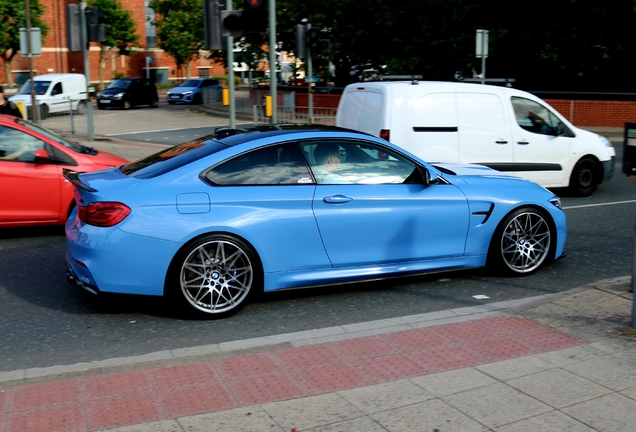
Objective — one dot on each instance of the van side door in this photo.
(59, 101)
(485, 136)
(541, 147)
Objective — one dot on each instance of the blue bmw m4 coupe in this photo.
(212, 221)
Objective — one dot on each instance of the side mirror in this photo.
(42, 156)
(427, 178)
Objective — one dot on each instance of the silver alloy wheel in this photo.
(525, 242)
(216, 276)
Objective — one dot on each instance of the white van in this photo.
(503, 128)
(55, 93)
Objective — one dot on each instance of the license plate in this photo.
(104, 101)
(174, 96)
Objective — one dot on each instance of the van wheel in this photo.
(585, 178)
(81, 108)
(44, 112)
(127, 105)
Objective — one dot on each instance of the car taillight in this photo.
(385, 134)
(103, 214)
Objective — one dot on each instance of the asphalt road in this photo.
(44, 321)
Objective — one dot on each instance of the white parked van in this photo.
(503, 128)
(55, 93)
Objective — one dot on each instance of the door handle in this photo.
(337, 199)
(501, 141)
(523, 142)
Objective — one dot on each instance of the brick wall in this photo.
(596, 113)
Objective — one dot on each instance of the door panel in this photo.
(485, 135)
(375, 224)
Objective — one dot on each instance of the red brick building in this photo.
(56, 58)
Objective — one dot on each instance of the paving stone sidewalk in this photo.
(558, 362)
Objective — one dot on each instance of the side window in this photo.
(534, 117)
(18, 146)
(57, 89)
(356, 162)
(275, 165)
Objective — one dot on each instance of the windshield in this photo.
(191, 83)
(119, 84)
(79, 148)
(40, 87)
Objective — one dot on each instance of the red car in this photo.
(32, 188)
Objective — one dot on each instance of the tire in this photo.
(126, 105)
(585, 178)
(81, 108)
(522, 242)
(214, 276)
(155, 103)
(44, 112)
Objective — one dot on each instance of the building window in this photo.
(151, 31)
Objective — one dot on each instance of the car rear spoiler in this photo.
(73, 177)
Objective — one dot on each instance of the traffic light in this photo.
(313, 41)
(73, 28)
(301, 41)
(255, 17)
(96, 29)
(212, 24)
(232, 23)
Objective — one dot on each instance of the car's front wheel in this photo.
(214, 276)
(126, 105)
(522, 242)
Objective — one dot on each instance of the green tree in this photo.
(582, 45)
(179, 26)
(120, 32)
(12, 17)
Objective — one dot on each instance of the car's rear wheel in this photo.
(215, 275)
(155, 103)
(585, 178)
(522, 242)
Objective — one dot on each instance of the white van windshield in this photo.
(40, 87)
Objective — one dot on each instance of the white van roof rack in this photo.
(413, 78)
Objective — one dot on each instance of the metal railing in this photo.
(251, 105)
(67, 117)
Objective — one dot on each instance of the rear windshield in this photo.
(172, 158)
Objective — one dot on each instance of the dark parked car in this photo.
(191, 91)
(127, 93)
